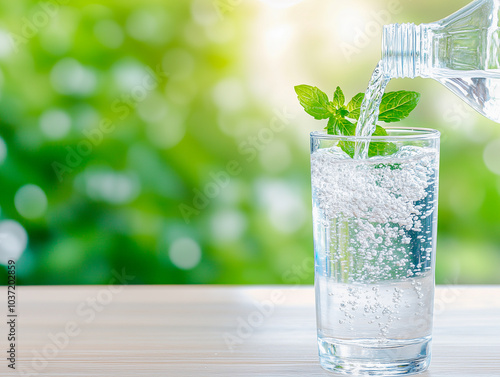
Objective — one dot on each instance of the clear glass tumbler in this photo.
(375, 223)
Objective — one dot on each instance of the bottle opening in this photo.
(402, 50)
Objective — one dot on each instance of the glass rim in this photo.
(406, 134)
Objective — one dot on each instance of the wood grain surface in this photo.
(218, 331)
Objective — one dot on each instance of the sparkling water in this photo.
(374, 229)
(394, 309)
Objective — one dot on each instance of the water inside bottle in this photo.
(481, 90)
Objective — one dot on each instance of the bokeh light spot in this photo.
(222, 32)
(153, 108)
(68, 76)
(6, 44)
(277, 39)
(349, 20)
(102, 184)
(283, 204)
(185, 253)
(276, 157)
(169, 133)
(109, 33)
(194, 34)
(57, 37)
(229, 95)
(281, 3)
(129, 74)
(30, 201)
(178, 63)
(204, 12)
(491, 156)
(228, 225)
(150, 26)
(13, 241)
(3, 150)
(85, 117)
(180, 92)
(55, 124)
(466, 199)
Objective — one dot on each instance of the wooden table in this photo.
(218, 331)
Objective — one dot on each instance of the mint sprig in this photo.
(395, 106)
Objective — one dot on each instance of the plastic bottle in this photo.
(461, 51)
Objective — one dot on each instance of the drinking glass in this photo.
(375, 223)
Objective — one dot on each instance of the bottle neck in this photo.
(406, 50)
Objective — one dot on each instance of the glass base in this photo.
(370, 357)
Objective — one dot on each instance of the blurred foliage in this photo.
(231, 69)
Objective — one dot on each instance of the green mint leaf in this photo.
(338, 98)
(354, 106)
(331, 128)
(314, 101)
(340, 126)
(345, 128)
(380, 148)
(348, 147)
(380, 131)
(397, 106)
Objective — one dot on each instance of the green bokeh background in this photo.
(231, 68)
